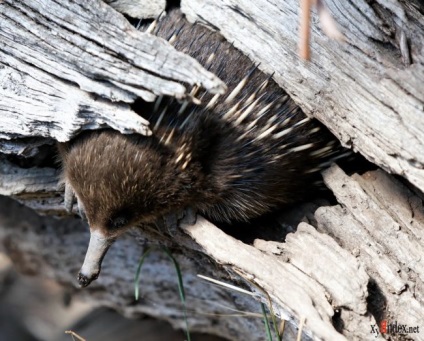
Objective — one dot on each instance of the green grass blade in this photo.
(180, 288)
(267, 326)
(271, 310)
(177, 269)
(137, 274)
(274, 322)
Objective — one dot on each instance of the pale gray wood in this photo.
(141, 9)
(361, 89)
(57, 58)
(33, 181)
(35, 103)
(299, 274)
(24, 147)
(381, 222)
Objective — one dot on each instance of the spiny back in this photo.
(257, 147)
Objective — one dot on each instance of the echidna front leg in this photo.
(69, 197)
(69, 201)
(170, 222)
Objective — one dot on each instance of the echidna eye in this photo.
(118, 221)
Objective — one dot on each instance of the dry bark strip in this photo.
(303, 278)
(369, 90)
(139, 8)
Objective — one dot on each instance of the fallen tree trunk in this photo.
(343, 278)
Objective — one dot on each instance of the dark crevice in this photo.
(241, 12)
(376, 301)
(170, 4)
(337, 321)
(45, 157)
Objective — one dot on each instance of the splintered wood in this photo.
(91, 80)
(381, 222)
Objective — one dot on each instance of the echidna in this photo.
(233, 158)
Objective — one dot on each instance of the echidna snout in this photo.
(97, 248)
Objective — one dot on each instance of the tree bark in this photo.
(60, 56)
(343, 269)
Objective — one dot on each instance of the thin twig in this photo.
(305, 32)
(299, 333)
(72, 333)
(229, 286)
(281, 328)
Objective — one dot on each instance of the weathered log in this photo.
(57, 57)
(381, 222)
(369, 90)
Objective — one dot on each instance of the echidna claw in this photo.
(70, 199)
(189, 216)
